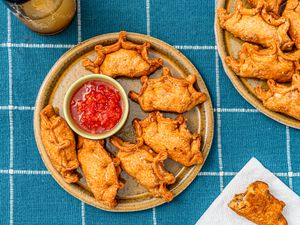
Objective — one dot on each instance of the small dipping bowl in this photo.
(75, 87)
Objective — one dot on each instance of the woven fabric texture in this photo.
(29, 195)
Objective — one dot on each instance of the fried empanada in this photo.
(59, 143)
(292, 11)
(281, 98)
(270, 5)
(140, 162)
(264, 64)
(256, 25)
(259, 205)
(123, 58)
(101, 171)
(167, 93)
(171, 136)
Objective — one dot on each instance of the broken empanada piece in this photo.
(101, 171)
(281, 98)
(256, 25)
(292, 11)
(259, 205)
(264, 64)
(123, 58)
(140, 162)
(167, 93)
(171, 136)
(59, 143)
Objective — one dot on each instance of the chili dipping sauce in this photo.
(96, 106)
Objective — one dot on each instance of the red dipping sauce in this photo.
(96, 106)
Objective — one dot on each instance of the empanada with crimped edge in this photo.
(171, 136)
(168, 93)
(100, 169)
(256, 25)
(282, 98)
(143, 164)
(59, 142)
(265, 64)
(123, 58)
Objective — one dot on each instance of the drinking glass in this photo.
(46, 17)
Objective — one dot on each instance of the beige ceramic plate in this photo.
(68, 68)
(229, 45)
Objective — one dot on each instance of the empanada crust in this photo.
(292, 11)
(167, 93)
(281, 98)
(100, 169)
(170, 136)
(270, 5)
(264, 64)
(59, 143)
(123, 58)
(259, 205)
(140, 162)
(256, 26)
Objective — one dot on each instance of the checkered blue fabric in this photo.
(29, 195)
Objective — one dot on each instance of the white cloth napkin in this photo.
(220, 214)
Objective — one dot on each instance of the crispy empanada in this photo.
(292, 11)
(171, 136)
(140, 162)
(264, 64)
(167, 93)
(101, 171)
(59, 143)
(281, 98)
(123, 58)
(256, 25)
(259, 205)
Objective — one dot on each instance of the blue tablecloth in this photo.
(29, 195)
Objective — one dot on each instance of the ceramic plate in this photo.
(229, 45)
(68, 68)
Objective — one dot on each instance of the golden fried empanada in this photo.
(59, 143)
(101, 171)
(140, 162)
(259, 205)
(171, 136)
(123, 58)
(264, 64)
(256, 25)
(167, 93)
(281, 98)
(292, 11)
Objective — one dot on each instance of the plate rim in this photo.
(73, 189)
(237, 82)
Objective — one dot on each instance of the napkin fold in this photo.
(220, 214)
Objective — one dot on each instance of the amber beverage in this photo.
(46, 17)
